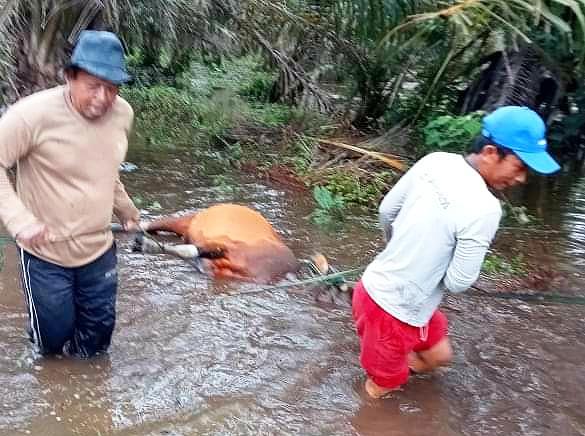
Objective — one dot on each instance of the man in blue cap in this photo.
(67, 144)
(439, 220)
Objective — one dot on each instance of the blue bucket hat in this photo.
(100, 54)
(521, 130)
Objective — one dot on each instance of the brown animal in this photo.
(249, 247)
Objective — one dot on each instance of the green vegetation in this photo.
(210, 101)
(400, 59)
(330, 207)
(300, 155)
(496, 264)
(224, 184)
(164, 115)
(451, 133)
(146, 203)
(363, 191)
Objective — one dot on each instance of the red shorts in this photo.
(386, 341)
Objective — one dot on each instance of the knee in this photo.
(439, 355)
(444, 359)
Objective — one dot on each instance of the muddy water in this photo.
(192, 357)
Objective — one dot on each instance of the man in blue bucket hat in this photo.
(67, 144)
(439, 220)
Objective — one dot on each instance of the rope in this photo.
(284, 286)
(526, 297)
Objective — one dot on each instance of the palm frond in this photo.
(517, 16)
(392, 161)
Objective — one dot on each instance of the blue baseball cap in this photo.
(100, 54)
(521, 130)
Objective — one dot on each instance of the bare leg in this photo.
(376, 391)
(425, 361)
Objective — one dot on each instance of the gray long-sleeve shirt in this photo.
(442, 218)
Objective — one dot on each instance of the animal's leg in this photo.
(143, 244)
(178, 224)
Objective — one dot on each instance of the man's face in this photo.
(92, 96)
(501, 173)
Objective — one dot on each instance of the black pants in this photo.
(73, 308)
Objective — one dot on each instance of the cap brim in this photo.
(112, 75)
(541, 162)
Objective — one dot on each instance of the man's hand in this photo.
(131, 226)
(33, 235)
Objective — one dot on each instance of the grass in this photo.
(211, 100)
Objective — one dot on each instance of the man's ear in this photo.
(489, 153)
(489, 149)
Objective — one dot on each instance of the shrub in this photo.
(451, 133)
(164, 115)
(330, 207)
(361, 191)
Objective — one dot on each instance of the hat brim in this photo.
(116, 76)
(541, 162)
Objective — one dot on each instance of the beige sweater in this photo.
(67, 174)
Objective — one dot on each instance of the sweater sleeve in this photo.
(16, 141)
(392, 203)
(471, 246)
(124, 208)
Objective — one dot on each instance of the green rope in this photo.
(339, 277)
(342, 275)
(328, 278)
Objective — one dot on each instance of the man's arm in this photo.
(124, 208)
(16, 141)
(392, 203)
(470, 250)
